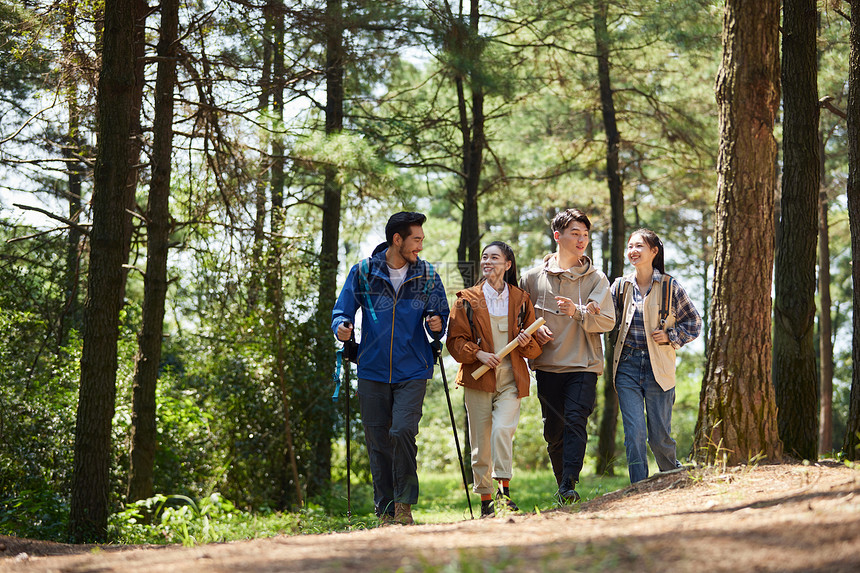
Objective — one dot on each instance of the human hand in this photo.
(523, 338)
(489, 359)
(344, 331)
(592, 307)
(565, 305)
(435, 323)
(660, 336)
(543, 335)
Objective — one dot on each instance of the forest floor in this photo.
(786, 517)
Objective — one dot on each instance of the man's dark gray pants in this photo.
(390, 414)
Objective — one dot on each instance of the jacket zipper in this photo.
(391, 344)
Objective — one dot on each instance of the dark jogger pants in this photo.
(566, 401)
(390, 414)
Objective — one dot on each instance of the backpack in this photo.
(364, 283)
(666, 285)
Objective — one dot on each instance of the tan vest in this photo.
(662, 356)
(505, 370)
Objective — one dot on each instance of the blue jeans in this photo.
(646, 409)
(390, 414)
(566, 401)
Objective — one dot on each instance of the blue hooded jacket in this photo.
(394, 346)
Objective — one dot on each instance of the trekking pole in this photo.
(347, 354)
(437, 350)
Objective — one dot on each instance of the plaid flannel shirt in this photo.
(688, 323)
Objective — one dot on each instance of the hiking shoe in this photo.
(503, 499)
(487, 509)
(567, 491)
(385, 519)
(403, 514)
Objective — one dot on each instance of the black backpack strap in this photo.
(470, 314)
(665, 299)
(521, 318)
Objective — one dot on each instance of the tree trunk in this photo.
(795, 373)
(319, 476)
(115, 97)
(852, 432)
(158, 224)
(71, 148)
(258, 265)
(469, 247)
(737, 410)
(825, 327)
(609, 418)
(276, 279)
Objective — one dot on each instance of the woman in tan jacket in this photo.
(485, 318)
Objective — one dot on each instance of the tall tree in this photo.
(158, 226)
(851, 444)
(275, 288)
(105, 282)
(825, 324)
(320, 472)
(609, 417)
(737, 410)
(74, 169)
(463, 46)
(795, 373)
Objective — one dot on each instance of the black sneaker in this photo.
(487, 509)
(503, 499)
(567, 491)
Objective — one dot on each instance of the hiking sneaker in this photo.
(567, 491)
(487, 509)
(403, 514)
(504, 501)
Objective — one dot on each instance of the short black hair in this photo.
(564, 218)
(401, 224)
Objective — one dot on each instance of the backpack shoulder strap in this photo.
(666, 298)
(470, 315)
(364, 283)
(429, 278)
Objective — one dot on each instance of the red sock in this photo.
(505, 482)
(486, 496)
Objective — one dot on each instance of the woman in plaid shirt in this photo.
(644, 355)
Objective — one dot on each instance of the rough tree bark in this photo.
(825, 325)
(319, 477)
(851, 444)
(71, 148)
(111, 223)
(468, 41)
(158, 225)
(737, 411)
(275, 279)
(795, 373)
(609, 417)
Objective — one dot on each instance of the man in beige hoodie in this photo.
(573, 296)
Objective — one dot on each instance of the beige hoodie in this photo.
(576, 345)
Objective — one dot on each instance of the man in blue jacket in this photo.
(402, 300)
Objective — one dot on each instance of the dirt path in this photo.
(767, 518)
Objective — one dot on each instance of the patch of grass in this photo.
(444, 500)
(178, 519)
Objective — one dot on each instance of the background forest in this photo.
(260, 146)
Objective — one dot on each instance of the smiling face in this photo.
(573, 239)
(640, 253)
(494, 264)
(409, 247)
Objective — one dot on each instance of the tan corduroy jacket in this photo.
(464, 349)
